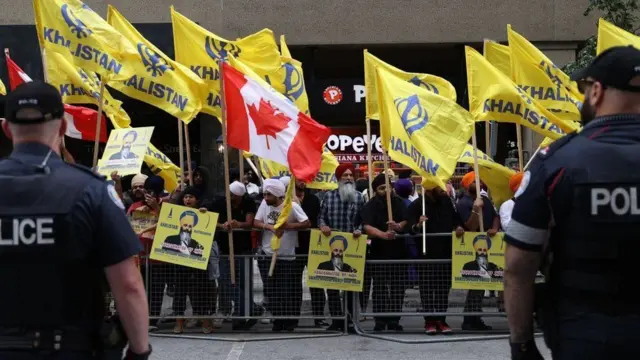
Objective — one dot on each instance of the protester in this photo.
(388, 281)
(340, 211)
(279, 287)
(470, 207)
(507, 207)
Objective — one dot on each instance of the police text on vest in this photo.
(620, 200)
(27, 231)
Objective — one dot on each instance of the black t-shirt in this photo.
(242, 238)
(311, 206)
(374, 214)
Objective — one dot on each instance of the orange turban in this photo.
(514, 182)
(468, 179)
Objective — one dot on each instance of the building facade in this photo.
(328, 37)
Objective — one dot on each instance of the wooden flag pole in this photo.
(477, 173)
(487, 136)
(188, 142)
(424, 226)
(241, 164)
(96, 144)
(226, 170)
(531, 159)
(520, 154)
(369, 159)
(252, 166)
(181, 153)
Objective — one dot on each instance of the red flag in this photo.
(81, 121)
(267, 124)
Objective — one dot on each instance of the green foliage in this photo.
(622, 13)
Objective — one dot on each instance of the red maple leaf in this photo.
(269, 120)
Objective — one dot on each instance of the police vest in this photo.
(595, 244)
(48, 275)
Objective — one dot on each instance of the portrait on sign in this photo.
(336, 261)
(125, 151)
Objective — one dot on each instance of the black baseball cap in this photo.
(35, 95)
(616, 68)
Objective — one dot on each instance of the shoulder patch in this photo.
(523, 184)
(88, 171)
(556, 145)
(113, 194)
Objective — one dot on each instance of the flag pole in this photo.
(188, 142)
(181, 153)
(519, 139)
(253, 167)
(424, 226)
(477, 173)
(531, 159)
(96, 144)
(226, 170)
(487, 137)
(387, 185)
(369, 159)
(241, 164)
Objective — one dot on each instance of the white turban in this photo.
(285, 180)
(138, 180)
(274, 187)
(237, 188)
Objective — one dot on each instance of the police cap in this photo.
(616, 67)
(36, 95)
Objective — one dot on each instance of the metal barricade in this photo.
(283, 301)
(396, 289)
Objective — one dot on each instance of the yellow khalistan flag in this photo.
(494, 97)
(325, 179)
(498, 55)
(201, 50)
(420, 129)
(610, 35)
(435, 84)
(159, 81)
(284, 214)
(3, 89)
(493, 174)
(71, 28)
(77, 86)
(542, 80)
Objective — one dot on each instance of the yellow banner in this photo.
(542, 80)
(286, 211)
(432, 83)
(142, 220)
(71, 28)
(493, 174)
(494, 97)
(125, 151)
(78, 86)
(200, 50)
(610, 35)
(420, 129)
(162, 166)
(477, 261)
(158, 80)
(3, 89)
(324, 180)
(498, 55)
(184, 236)
(336, 261)
(292, 79)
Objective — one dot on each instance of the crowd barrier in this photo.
(408, 288)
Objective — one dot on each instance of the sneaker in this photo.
(477, 325)
(444, 328)
(207, 326)
(179, 327)
(430, 328)
(379, 326)
(320, 323)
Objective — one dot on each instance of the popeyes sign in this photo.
(350, 145)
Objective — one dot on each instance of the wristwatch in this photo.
(133, 356)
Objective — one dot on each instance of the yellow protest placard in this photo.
(477, 261)
(336, 261)
(184, 236)
(142, 220)
(125, 151)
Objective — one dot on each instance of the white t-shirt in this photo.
(505, 213)
(289, 241)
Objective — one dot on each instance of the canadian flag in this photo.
(265, 123)
(81, 121)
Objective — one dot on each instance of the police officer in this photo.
(62, 228)
(578, 203)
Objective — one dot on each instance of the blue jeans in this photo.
(236, 293)
(595, 336)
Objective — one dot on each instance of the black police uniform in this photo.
(61, 225)
(584, 188)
